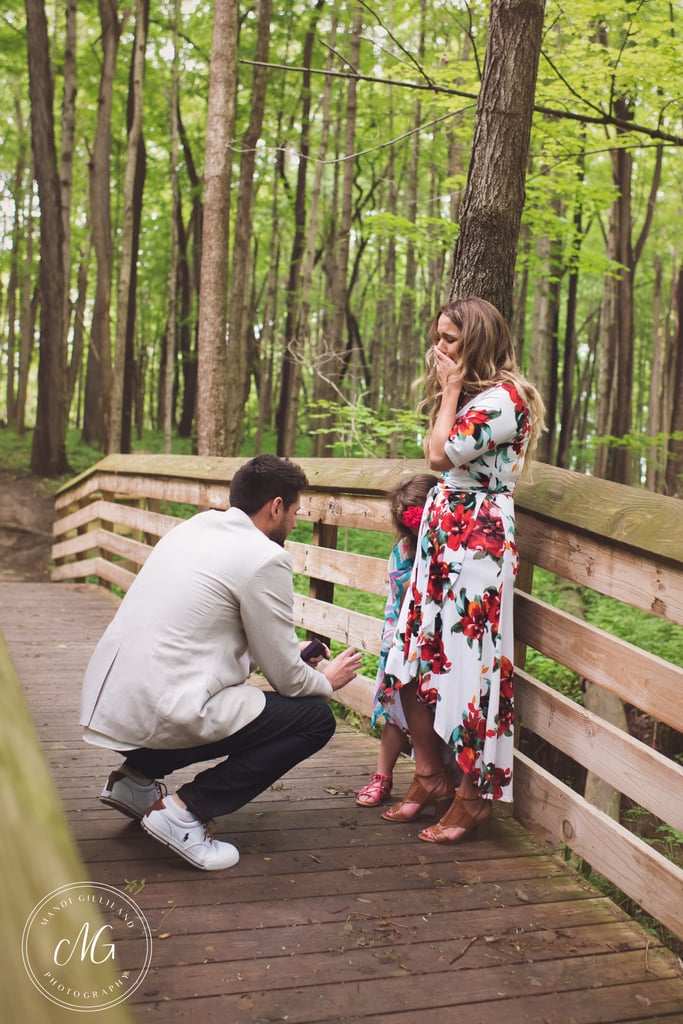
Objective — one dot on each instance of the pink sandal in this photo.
(376, 791)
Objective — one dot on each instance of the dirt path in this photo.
(26, 517)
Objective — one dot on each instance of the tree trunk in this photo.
(674, 465)
(48, 453)
(330, 362)
(237, 380)
(490, 216)
(175, 219)
(76, 361)
(211, 395)
(614, 462)
(189, 242)
(655, 409)
(288, 406)
(128, 235)
(68, 137)
(545, 322)
(98, 371)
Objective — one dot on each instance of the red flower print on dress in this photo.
(488, 533)
(439, 574)
(432, 650)
(490, 603)
(470, 423)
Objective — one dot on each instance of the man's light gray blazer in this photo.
(214, 599)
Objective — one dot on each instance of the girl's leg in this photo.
(392, 743)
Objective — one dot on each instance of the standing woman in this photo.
(452, 655)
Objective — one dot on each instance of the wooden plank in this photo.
(654, 882)
(141, 519)
(364, 476)
(628, 516)
(638, 677)
(653, 585)
(125, 547)
(331, 913)
(97, 567)
(620, 759)
(361, 572)
(353, 629)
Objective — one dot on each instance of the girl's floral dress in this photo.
(454, 634)
(398, 569)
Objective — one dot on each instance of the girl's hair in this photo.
(411, 493)
(489, 358)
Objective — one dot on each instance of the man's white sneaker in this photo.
(191, 839)
(130, 797)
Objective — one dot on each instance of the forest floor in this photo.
(26, 517)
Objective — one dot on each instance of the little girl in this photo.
(407, 502)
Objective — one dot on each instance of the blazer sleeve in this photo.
(267, 612)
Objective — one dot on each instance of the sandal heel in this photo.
(457, 816)
(417, 794)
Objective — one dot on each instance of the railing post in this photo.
(324, 535)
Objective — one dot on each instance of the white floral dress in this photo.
(454, 635)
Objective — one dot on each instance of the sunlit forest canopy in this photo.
(250, 213)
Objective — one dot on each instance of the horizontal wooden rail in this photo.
(618, 541)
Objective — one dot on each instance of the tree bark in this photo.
(331, 357)
(211, 393)
(288, 405)
(68, 137)
(48, 453)
(175, 221)
(490, 216)
(98, 371)
(674, 465)
(237, 381)
(124, 328)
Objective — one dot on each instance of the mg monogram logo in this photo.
(86, 946)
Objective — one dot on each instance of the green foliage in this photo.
(363, 434)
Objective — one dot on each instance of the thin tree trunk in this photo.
(68, 137)
(189, 268)
(98, 371)
(76, 361)
(211, 394)
(48, 452)
(237, 380)
(654, 406)
(330, 361)
(674, 465)
(175, 218)
(492, 206)
(544, 348)
(128, 249)
(286, 419)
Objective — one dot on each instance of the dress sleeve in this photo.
(494, 418)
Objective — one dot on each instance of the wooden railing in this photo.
(618, 541)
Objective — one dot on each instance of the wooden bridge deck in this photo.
(331, 913)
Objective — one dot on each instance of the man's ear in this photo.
(276, 506)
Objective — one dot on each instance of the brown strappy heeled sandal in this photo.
(439, 796)
(457, 816)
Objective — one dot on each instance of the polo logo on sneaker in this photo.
(186, 837)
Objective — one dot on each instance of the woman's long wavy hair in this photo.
(489, 358)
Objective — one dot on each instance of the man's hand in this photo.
(342, 669)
